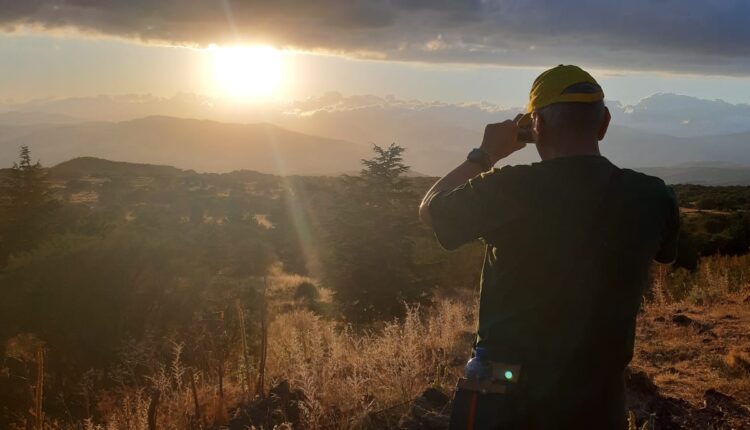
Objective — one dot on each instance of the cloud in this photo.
(686, 36)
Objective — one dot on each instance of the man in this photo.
(569, 241)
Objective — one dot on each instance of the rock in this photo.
(720, 411)
(725, 410)
(432, 399)
(724, 404)
(640, 383)
(660, 319)
(682, 320)
(280, 407)
(429, 411)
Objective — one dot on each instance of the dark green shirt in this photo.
(569, 245)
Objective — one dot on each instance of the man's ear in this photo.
(604, 125)
(537, 122)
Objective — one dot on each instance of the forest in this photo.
(133, 294)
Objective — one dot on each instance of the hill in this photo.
(200, 145)
(29, 118)
(702, 174)
(90, 166)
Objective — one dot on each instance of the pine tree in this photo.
(26, 185)
(26, 204)
(369, 262)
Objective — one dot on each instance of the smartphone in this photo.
(526, 135)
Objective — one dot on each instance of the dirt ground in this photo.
(699, 356)
(687, 350)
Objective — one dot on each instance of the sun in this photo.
(247, 71)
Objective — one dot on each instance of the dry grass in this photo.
(347, 375)
(711, 352)
(361, 373)
(344, 375)
(717, 278)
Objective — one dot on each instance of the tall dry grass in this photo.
(358, 373)
(347, 375)
(716, 278)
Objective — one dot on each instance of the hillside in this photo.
(29, 118)
(188, 144)
(82, 167)
(702, 174)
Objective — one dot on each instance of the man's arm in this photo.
(455, 178)
(671, 231)
(500, 140)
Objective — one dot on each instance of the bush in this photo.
(306, 291)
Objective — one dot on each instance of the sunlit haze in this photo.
(73, 66)
(251, 72)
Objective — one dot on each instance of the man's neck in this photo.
(570, 149)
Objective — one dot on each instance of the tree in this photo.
(369, 262)
(26, 205)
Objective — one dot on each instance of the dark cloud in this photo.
(692, 36)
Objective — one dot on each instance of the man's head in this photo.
(567, 113)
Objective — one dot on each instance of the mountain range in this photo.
(200, 145)
(683, 138)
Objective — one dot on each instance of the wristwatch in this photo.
(481, 158)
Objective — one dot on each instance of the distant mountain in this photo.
(683, 116)
(188, 144)
(661, 113)
(660, 130)
(702, 174)
(15, 118)
(90, 166)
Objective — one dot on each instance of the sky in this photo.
(441, 50)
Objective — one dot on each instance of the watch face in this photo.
(479, 157)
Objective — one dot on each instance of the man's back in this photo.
(569, 246)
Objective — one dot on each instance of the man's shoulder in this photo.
(646, 185)
(511, 169)
(640, 179)
(508, 174)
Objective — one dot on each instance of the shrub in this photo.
(306, 291)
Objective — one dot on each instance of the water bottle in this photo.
(478, 367)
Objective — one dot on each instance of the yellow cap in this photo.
(562, 84)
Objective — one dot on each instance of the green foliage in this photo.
(715, 220)
(306, 291)
(26, 206)
(370, 241)
(730, 198)
(711, 233)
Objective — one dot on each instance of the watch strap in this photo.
(481, 158)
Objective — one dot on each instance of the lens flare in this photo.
(247, 71)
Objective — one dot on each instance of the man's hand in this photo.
(501, 139)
